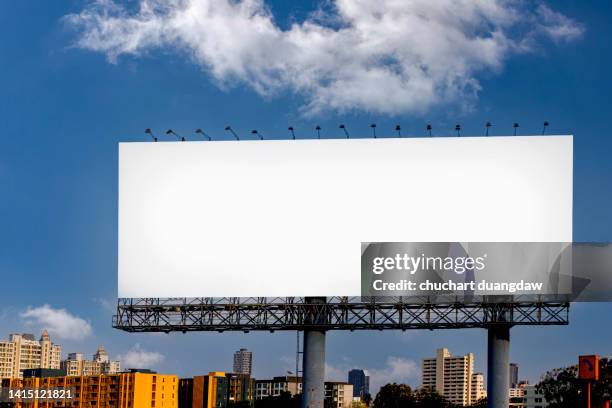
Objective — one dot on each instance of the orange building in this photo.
(124, 390)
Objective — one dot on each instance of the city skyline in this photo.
(336, 374)
(65, 108)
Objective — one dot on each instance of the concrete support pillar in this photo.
(313, 365)
(313, 387)
(498, 366)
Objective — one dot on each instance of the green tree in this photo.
(562, 388)
(428, 398)
(394, 396)
(358, 404)
(283, 400)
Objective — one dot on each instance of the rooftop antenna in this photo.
(373, 126)
(228, 128)
(458, 129)
(487, 126)
(148, 131)
(515, 126)
(172, 132)
(545, 126)
(255, 132)
(345, 131)
(429, 129)
(292, 132)
(398, 129)
(200, 131)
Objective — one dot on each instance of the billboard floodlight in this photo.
(201, 132)
(148, 131)
(229, 129)
(172, 132)
(344, 130)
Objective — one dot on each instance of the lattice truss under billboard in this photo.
(335, 313)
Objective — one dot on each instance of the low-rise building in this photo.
(77, 365)
(241, 387)
(124, 390)
(338, 394)
(204, 391)
(275, 386)
(534, 398)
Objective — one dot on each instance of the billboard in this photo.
(288, 217)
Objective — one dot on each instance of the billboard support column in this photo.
(498, 366)
(313, 386)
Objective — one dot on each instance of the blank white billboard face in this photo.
(287, 218)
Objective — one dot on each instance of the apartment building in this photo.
(77, 365)
(23, 351)
(453, 377)
(204, 391)
(243, 361)
(124, 390)
(241, 387)
(477, 388)
(338, 394)
(216, 390)
(276, 385)
(534, 398)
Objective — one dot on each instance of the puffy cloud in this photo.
(137, 357)
(397, 370)
(386, 56)
(59, 322)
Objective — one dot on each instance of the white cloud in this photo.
(108, 304)
(396, 369)
(557, 26)
(59, 322)
(386, 56)
(334, 373)
(137, 357)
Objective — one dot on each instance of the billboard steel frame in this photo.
(315, 316)
(337, 313)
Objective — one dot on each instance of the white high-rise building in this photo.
(77, 365)
(453, 377)
(23, 351)
(243, 361)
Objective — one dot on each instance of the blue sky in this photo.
(68, 97)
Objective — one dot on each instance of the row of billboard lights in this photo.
(256, 133)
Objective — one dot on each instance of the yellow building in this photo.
(124, 390)
(207, 391)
